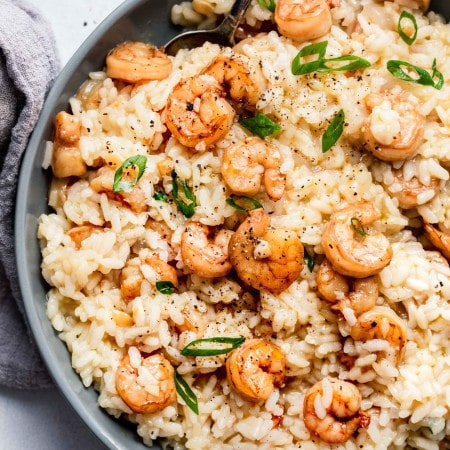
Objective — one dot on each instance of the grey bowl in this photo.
(147, 20)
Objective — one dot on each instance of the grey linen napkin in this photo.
(28, 66)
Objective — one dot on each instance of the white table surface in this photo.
(42, 419)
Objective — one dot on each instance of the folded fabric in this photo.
(28, 66)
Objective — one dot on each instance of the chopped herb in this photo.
(268, 4)
(188, 207)
(309, 261)
(357, 226)
(319, 48)
(232, 344)
(246, 203)
(438, 75)
(334, 131)
(332, 65)
(135, 163)
(322, 64)
(260, 125)
(185, 392)
(405, 16)
(160, 196)
(165, 287)
(423, 77)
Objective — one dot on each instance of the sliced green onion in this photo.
(438, 75)
(334, 131)
(318, 48)
(260, 125)
(135, 162)
(309, 260)
(357, 226)
(187, 208)
(165, 287)
(322, 64)
(185, 392)
(329, 65)
(408, 17)
(231, 342)
(246, 203)
(424, 78)
(268, 4)
(160, 196)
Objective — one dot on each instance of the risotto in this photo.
(248, 246)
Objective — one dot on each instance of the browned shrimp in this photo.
(359, 294)
(439, 239)
(131, 275)
(247, 162)
(303, 20)
(394, 129)
(205, 257)
(89, 94)
(143, 398)
(351, 247)
(80, 233)
(134, 61)
(103, 181)
(381, 322)
(264, 257)
(413, 193)
(240, 76)
(332, 410)
(197, 113)
(66, 159)
(255, 368)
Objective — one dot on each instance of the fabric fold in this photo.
(28, 67)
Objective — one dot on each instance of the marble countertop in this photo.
(42, 419)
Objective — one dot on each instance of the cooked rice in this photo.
(408, 404)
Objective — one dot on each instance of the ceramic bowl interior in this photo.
(147, 20)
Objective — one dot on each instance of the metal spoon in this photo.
(223, 34)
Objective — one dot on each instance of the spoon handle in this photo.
(231, 21)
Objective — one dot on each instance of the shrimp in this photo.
(303, 20)
(89, 94)
(264, 257)
(82, 232)
(353, 254)
(130, 281)
(412, 193)
(381, 322)
(132, 275)
(147, 388)
(134, 61)
(246, 162)
(332, 410)
(66, 158)
(394, 129)
(439, 239)
(255, 368)
(197, 114)
(241, 76)
(359, 294)
(413, 4)
(331, 285)
(203, 256)
(103, 181)
(423, 4)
